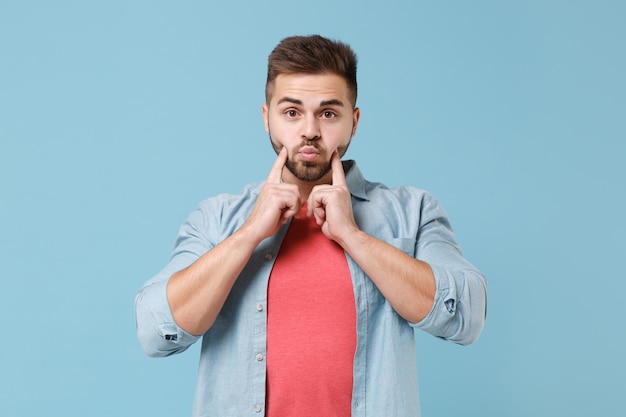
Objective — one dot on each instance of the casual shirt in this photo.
(231, 377)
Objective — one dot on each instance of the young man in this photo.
(306, 289)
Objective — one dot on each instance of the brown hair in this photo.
(312, 55)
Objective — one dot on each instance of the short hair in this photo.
(312, 55)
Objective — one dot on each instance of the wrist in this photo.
(248, 235)
(351, 237)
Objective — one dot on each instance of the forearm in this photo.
(197, 293)
(407, 283)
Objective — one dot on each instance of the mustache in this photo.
(310, 144)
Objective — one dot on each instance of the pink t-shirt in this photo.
(311, 326)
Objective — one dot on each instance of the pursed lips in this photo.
(308, 152)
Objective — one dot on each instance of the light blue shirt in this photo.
(231, 377)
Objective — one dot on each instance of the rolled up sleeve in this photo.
(157, 330)
(460, 305)
(158, 333)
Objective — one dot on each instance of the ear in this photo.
(266, 120)
(355, 120)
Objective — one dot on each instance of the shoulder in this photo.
(379, 193)
(402, 202)
(249, 194)
(405, 194)
(225, 211)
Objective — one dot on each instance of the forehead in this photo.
(310, 88)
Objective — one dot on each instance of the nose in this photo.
(311, 128)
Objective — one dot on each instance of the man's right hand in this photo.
(276, 204)
(197, 293)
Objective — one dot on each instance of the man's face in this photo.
(311, 115)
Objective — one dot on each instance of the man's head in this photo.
(312, 55)
(310, 104)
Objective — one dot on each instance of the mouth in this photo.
(308, 153)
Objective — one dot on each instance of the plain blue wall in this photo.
(118, 117)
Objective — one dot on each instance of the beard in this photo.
(309, 171)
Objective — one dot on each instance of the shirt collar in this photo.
(354, 179)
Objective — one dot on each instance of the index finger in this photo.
(276, 172)
(339, 178)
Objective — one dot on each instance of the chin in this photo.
(308, 171)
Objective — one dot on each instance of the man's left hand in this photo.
(331, 205)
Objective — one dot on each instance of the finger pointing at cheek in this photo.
(276, 172)
(339, 178)
(330, 194)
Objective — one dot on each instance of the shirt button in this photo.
(259, 357)
(268, 256)
(257, 408)
(259, 307)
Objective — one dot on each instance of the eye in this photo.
(328, 114)
(291, 113)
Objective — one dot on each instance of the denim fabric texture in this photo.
(231, 378)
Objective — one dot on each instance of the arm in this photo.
(184, 300)
(196, 294)
(441, 293)
(407, 283)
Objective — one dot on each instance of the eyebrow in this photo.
(332, 102)
(290, 100)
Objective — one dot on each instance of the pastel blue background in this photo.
(118, 117)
